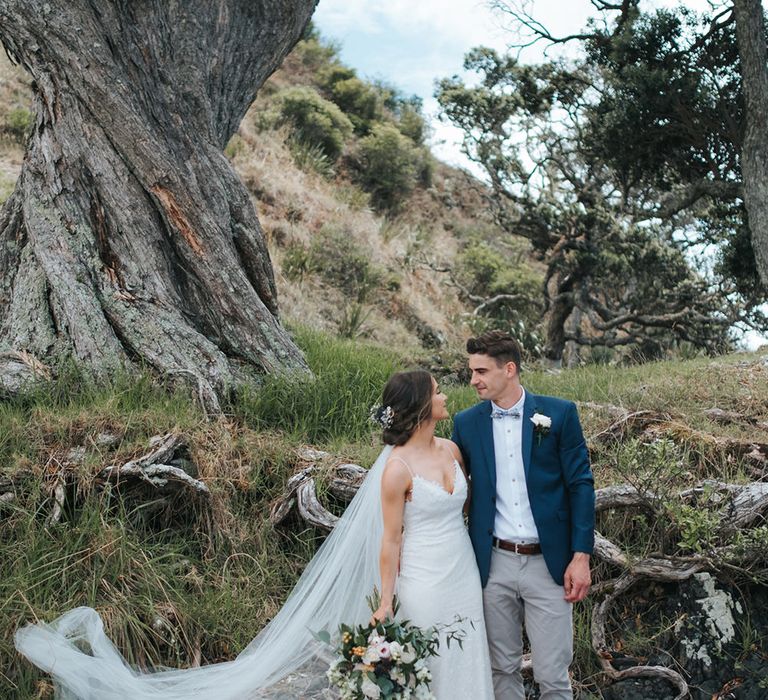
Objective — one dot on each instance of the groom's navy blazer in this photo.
(560, 484)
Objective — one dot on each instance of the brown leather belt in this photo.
(534, 548)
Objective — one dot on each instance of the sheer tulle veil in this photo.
(85, 665)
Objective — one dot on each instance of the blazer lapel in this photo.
(485, 430)
(529, 408)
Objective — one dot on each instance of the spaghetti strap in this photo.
(407, 466)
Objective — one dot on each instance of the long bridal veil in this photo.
(85, 665)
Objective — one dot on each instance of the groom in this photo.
(531, 517)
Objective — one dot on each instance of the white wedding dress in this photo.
(439, 581)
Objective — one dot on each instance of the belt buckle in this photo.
(517, 550)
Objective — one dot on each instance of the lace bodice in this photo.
(432, 510)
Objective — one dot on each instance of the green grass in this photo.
(143, 585)
(70, 411)
(216, 587)
(332, 406)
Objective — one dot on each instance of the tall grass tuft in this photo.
(334, 405)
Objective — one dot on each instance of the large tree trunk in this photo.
(129, 237)
(750, 33)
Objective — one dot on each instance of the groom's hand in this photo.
(577, 578)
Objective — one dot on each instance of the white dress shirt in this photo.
(514, 519)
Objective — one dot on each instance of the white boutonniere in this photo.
(541, 425)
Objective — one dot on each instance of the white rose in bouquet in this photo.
(408, 656)
(422, 672)
(370, 689)
(397, 675)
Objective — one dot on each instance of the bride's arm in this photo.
(395, 484)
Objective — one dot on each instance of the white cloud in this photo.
(464, 21)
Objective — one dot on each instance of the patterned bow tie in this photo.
(501, 413)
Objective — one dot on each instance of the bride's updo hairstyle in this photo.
(409, 396)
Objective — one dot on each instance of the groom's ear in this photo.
(512, 369)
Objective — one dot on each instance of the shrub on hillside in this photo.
(314, 51)
(314, 120)
(359, 101)
(387, 166)
(335, 257)
(411, 124)
(18, 122)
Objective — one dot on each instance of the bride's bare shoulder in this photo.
(450, 445)
(396, 470)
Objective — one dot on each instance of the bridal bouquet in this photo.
(385, 661)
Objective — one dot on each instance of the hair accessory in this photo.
(382, 415)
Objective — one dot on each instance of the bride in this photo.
(406, 514)
(426, 553)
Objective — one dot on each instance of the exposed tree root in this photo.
(19, 370)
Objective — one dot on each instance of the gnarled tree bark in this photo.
(129, 237)
(750, 33)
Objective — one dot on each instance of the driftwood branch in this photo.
(154, 468)
(301, 491)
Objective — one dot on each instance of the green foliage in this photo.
(314, 120)
(311, 157)
(486, 271)
(297, 261)
(387, 166)
(698, 527)
(667, 111)
(670, 115)
(359, 101)
(315, 52)
(18, 122)
(353, 318)
(235, 147)
(7, 186)
(613, 279)
(334, 257)
(411, 124)
(511, 288)
(334, 405)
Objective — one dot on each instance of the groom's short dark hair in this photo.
(499, 345)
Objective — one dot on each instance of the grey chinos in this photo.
(520, 590)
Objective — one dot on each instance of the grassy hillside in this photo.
(196, 583)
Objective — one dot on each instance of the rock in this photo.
(106, 440)
(709, 625)
(75, 455)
